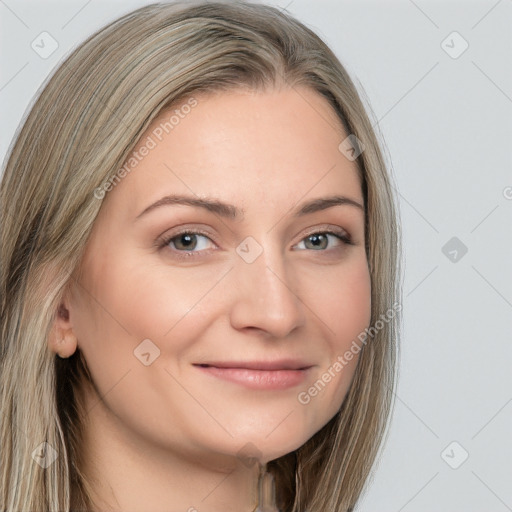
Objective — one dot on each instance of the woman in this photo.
(199, 271)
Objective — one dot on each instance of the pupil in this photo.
(317, 240)
(188, 240)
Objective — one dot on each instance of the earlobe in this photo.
(66, 346)
(63, 343)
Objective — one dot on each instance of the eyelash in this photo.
(163, 242)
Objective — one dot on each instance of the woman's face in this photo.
(269, 284)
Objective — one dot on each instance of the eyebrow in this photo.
(232, 212)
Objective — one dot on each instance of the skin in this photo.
(167, 436)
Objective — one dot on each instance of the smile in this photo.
(258, 378)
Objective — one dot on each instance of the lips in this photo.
(262, 375)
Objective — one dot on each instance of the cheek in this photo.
(141, 302)
(161, 302)
(344, 303)
(352, 314)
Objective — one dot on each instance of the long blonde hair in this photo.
(87, 119)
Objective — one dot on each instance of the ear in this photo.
(62, 340)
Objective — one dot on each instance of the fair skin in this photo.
(166, 436)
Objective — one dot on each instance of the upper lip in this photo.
(281, 364)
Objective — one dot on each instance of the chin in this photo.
(265, 447)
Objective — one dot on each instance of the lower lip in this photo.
(258, 379)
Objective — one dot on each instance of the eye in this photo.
(189, 244)
(185, 243)
(319, 240)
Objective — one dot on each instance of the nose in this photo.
(267, 296)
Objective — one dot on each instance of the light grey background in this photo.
(447, 127)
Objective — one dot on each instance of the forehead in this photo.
(244, 146)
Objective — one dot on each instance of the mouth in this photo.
(283, 364)
(267, 375)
